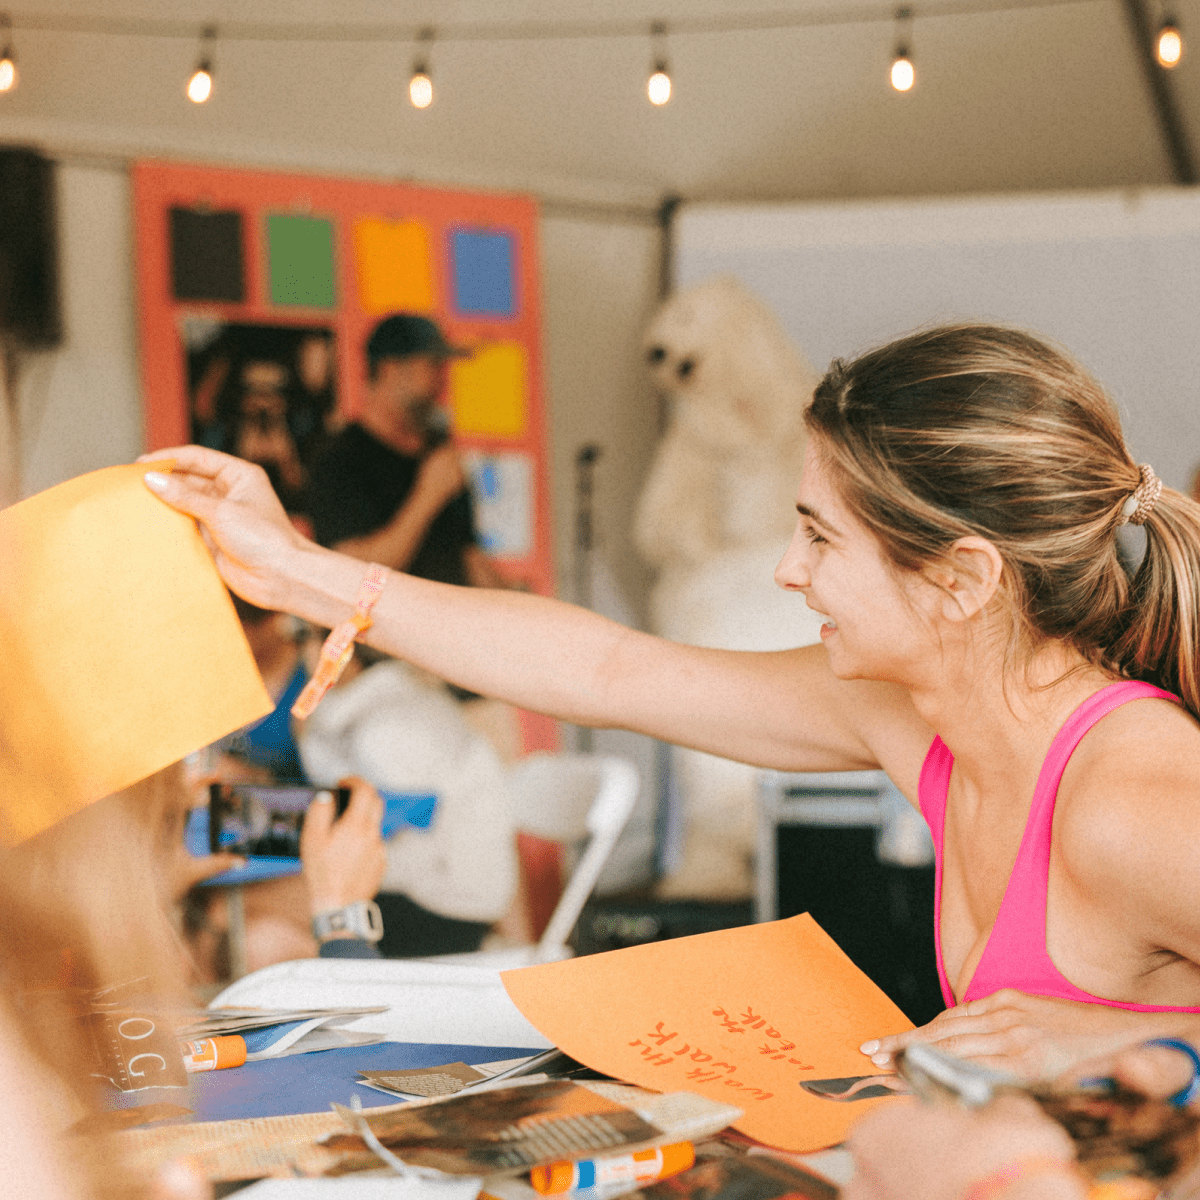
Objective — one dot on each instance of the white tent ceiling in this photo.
(1023, 98)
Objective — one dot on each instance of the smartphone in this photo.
(260, 821)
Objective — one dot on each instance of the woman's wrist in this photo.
(1038, 1177)
(319, 585)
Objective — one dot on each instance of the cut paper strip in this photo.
(742, 1015)
(395, 271)
(484, 267)
(502, 486)
(121, 648)
(300, 256)
(487, 391)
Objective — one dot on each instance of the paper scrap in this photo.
(509, 1129)
(747, 1015)
(250, 1148)
(121, 648)
(425, 1081)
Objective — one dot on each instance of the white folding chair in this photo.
(565, 798)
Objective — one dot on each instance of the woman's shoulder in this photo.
(1132, 785)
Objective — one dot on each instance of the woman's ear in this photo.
(968, 577)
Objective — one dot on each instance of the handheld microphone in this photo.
(435, 428)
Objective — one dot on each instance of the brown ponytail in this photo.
(978, 429)
(1161, 641)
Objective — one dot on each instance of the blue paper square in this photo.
(484, 269)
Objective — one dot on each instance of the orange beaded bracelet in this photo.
(339, 645)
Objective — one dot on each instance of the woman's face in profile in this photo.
(882, 622)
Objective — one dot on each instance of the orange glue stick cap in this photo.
(214, 1053)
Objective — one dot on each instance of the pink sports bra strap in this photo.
(1015, 955)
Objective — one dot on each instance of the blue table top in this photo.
(301, 1083)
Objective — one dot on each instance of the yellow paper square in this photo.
(120, 651)
(395, 273)
(487, 391)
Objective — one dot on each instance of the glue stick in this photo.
(637, 1169)
(214, 1053)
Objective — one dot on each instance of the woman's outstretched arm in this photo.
(781, 709)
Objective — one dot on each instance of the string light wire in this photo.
(248, 31)
(527, 31)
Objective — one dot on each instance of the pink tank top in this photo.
(1015, 955)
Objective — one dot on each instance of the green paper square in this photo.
(300, 254)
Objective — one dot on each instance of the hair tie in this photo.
(1141, 501)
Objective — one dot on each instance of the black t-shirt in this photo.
(357, 486)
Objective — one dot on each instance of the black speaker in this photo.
(880, 915)
(29, 297)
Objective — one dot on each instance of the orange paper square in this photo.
(395, 272)
(742, 1015)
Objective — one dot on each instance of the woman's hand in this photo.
(240, 516)
(1034, 1037)
(913, 1151)
(344, 857)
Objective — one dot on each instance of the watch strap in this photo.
(362, 918)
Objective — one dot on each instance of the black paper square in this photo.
(206, 256)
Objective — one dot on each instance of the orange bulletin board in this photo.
(320, 259)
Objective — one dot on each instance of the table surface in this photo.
(301, 1083)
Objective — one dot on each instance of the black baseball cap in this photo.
(404, 334)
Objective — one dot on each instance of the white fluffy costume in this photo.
(403, 733)
(714, 517)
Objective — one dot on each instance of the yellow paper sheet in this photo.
(487, 391)
(395, 271)
(744, 1015)
(120, 651)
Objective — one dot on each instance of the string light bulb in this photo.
(420, 83)
(1168, 47)
(8, 61)
(658, 86)
(903, 73)
(200, 85)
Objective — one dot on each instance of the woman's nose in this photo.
(792, 572)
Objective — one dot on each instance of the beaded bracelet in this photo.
(1191, 1089)
(339, 645)
(1025, 1168)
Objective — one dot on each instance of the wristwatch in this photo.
(362, 919)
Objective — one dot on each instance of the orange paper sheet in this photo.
(743, 1015)
(120, 651)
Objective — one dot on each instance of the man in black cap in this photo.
(390, 487)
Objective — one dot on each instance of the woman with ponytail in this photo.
(963, 499)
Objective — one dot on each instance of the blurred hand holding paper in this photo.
(743, 1015)
(121, 649)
